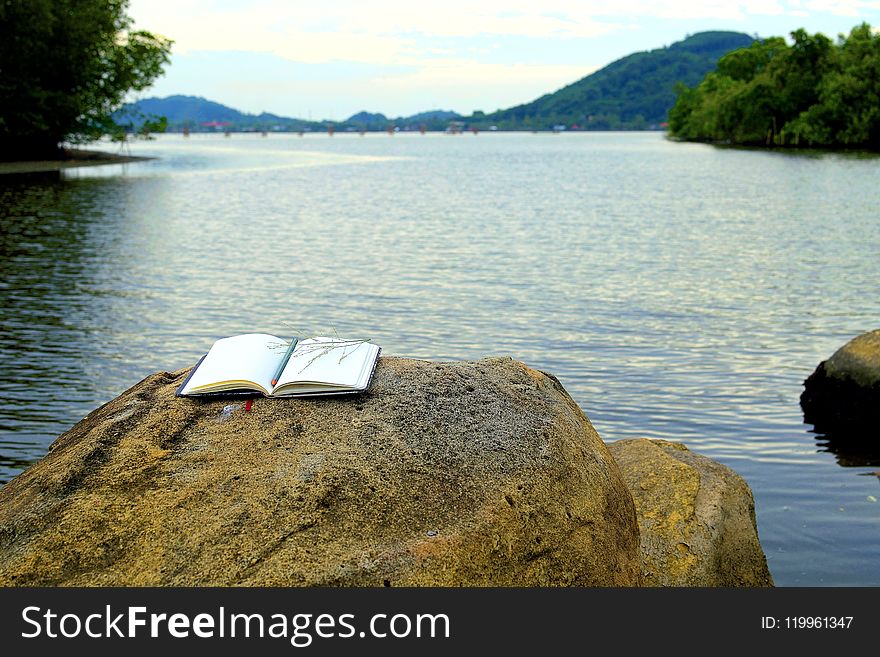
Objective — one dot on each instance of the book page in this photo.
(330, 362)
(251, 357)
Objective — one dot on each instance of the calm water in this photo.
(678, 291)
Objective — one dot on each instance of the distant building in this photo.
(217, 125)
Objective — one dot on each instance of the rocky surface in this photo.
(842, 396)
(468, 473)
(696, 517)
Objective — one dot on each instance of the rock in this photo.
(843, 395)
(468, 473)
(696, 517)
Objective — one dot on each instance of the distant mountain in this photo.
(368, 118)
(635, 92)
(178, 109)
(632, 93)
(201, 115)
(434, 115)
(431, 120)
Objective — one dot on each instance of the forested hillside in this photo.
(632, 93)
(814, 92)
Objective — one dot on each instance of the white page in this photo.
(317, 360)
(249, 357)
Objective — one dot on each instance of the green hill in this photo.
(200, 114)
(632, 93)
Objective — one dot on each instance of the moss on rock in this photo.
(696, 517)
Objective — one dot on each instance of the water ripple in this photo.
(678, 291)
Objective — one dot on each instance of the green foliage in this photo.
(136, 125)
(632, 93)
(65, 66)
(810, 93)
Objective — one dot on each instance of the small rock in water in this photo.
(842, 396)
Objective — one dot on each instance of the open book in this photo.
(248, 363)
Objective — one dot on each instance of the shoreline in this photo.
(73, 158)
(792, 149)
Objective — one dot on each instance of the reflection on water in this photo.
(858, 449)
(678, 291)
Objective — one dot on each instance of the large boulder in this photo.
(696, 517)
(842, 396)
(468, 473)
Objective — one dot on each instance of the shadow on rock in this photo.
(841, 398)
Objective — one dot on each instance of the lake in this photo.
(678, 291)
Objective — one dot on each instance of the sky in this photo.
(333, 58)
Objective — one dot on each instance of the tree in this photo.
(812, 93)
(848, 110)
(799, 72)
(65, 66)
(744, 64)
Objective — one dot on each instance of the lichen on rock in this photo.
(696, 517)
(477, 473)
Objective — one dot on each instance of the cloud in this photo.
(271, 24)
(399, 31)
(486, 53)
(854, 8)
(199, 26)
(477, 82)
(464, 72)
(389, 31)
